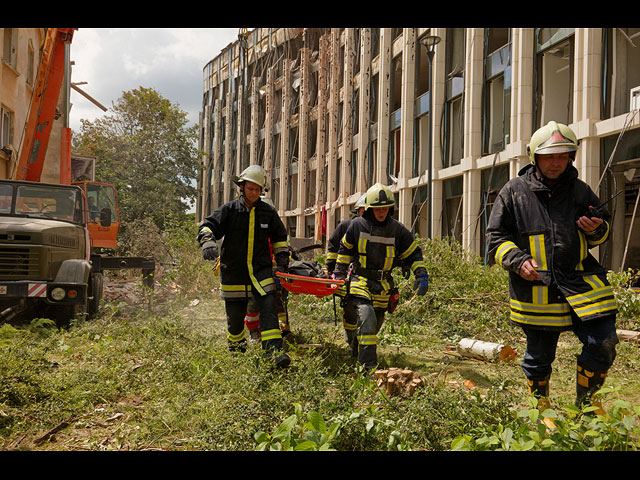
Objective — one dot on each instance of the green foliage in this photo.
(575, 429)
(627, 300)
(147, 150)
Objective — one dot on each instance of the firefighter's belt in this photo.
(372, 274)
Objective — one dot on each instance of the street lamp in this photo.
(430, 42)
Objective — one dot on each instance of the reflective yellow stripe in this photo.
(367, 339)
(418, 264)
(598, 307)
(252, 222)
(362, 250)
(281, 245)
(542, 320)
(502, 250)
(273, 334)
(206, 230)
(540, 294)
(536, 246)
(389, 256)
(346, 259)
(346, 244)
(555, 308)
(332, 255)
(235, 288)
(409, 250)
(583, 250)
(237, 338)
(349, 326)
(590, 296)
(593, 243)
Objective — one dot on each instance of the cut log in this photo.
(492, 352)
(629, 335)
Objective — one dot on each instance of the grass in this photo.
(158, 375)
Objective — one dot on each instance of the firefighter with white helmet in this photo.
(349, 319)
(252, 232)
(541, 228)
(371, 247)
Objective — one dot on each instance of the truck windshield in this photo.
(47, 202)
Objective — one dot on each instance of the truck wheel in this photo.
(96, 285)
(64, 314)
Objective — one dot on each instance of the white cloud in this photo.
(170, 61)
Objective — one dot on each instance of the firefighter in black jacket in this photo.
(372, 246)
(349, 319)
(246, 269)
(541, 229)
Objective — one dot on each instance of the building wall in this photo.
(328, 112)
(20, 54)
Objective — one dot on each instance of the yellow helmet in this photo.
(362, 202)
(552, 138)
(253, 173)
(379, 196)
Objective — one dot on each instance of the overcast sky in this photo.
(116, 60)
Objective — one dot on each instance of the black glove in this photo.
(421, 284)
(339, 274)
(210, 250)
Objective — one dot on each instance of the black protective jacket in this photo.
(374, 249)
(531, 220)
(245, 256)
(333, 244)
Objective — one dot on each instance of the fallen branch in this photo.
(62, 425)
(629, 335)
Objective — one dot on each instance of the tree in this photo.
(147, 150)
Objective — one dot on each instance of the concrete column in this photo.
(268, 130)
(407, 122)
(217, 157)
(254, 139)
(334, 97)
(204, 179)
(285, 125)
(303, 140)
(365, 95)
(384, 97)
(347, 124)
(227, 147)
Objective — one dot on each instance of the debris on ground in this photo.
(492, 352)
(397, 381)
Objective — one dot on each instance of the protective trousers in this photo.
(350, 324)
(598, 352)
(269, 329)
(369, 322)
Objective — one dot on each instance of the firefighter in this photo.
(349, 320)
(249, 226)
(252, 317)
(540, 230)
(372, 246)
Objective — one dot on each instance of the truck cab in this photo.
(45, 252)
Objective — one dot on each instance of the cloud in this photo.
(170, 61)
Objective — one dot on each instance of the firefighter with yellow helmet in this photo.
(251, 229)
(349, 320)
(371, 247)
(541, 228)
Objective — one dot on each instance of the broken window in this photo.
(10, 45)
(497, 90)
(419, 211)
(452, 208)
(492, 181)
(6, 127)
(620, 71)
(553, 75)
(453, 110)
(310, 226)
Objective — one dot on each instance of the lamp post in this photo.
(430, 42)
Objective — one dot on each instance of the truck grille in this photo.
(16, 262)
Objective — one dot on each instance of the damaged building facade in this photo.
(328, 112)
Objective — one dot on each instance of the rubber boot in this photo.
(539, 388)
(282, 361)
(588, 382)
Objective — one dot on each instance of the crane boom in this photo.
(43, 104)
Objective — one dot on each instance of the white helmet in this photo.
(253, 173)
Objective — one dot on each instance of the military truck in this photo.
(46, 269)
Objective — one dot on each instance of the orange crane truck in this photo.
(50, 233)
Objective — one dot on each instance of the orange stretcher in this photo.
(320, 287)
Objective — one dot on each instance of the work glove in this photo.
(210, 250)
(280, 269)
(339, 274)
(421, 284)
